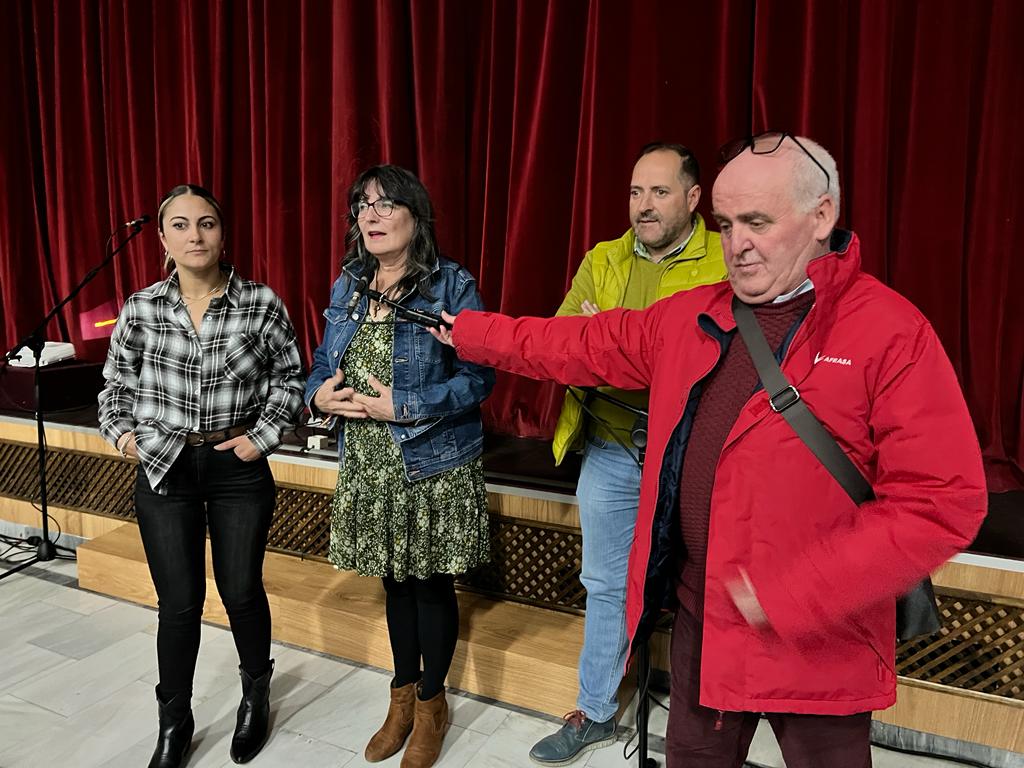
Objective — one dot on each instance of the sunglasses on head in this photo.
(765, 144)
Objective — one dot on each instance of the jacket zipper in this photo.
(657, 495)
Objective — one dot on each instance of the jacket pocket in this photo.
(886, 661)
(405, 432)
(335, 314)
(443, 443)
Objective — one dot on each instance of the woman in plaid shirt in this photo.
(202, 376)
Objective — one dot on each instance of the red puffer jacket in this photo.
(826, 572)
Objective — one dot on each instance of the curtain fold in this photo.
(523, 118)
(920, 104)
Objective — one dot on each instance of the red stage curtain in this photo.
(523, 119)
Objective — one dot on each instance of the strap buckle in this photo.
(785, 397)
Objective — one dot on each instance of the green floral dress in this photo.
(381, 523)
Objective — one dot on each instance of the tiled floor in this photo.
(76, 690)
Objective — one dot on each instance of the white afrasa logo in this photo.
(820, 358)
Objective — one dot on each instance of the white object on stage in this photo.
(53, 352)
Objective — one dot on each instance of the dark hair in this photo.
(187, 189)
(689, 169)
(407, 190)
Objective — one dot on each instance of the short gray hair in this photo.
(807, 176)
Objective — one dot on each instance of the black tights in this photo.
(423, 622)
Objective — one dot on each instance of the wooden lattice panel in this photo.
(532, 562)
(74, 479)
(302, 522)
(979, 648)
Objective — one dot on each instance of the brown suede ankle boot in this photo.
(428, 730)
(391, 736)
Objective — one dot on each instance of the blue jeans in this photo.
(608, 494)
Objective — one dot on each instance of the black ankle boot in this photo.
(253, 716)
(176, 727)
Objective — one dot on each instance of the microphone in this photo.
(426, 319)
(361, 285)
(143, 219)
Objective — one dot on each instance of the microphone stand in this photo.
(638, 436)
(36, 341)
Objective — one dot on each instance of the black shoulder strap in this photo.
(785, 399)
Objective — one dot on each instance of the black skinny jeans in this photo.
(236, 500)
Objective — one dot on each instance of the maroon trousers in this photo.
(699, 737)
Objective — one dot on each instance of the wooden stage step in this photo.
(513, 653)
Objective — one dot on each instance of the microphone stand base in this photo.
(45, 552)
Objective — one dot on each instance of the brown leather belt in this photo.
(217, 435)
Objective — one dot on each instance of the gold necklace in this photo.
(214, 290)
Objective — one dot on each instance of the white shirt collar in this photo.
(804, 287)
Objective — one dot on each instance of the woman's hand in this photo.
(126, 445)
(442, 334)
(338, 402)
(588, 308)
(380, 408)
(242, 446)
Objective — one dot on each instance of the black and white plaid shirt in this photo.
(163, 379)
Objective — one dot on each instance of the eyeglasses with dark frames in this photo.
(384, 207)
(765, 144)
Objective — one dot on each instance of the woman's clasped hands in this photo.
(338, 400)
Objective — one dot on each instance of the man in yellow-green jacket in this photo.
(667, 249)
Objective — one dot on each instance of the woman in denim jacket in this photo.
(410, 505)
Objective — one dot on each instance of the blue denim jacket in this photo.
(437, 396)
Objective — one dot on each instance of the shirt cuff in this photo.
(266, 438)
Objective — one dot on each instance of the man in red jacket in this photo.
(785, 588)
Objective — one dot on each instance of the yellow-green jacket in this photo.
(602, 279)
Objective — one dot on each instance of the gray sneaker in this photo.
(578, 736)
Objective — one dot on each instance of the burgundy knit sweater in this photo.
(725, 393)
